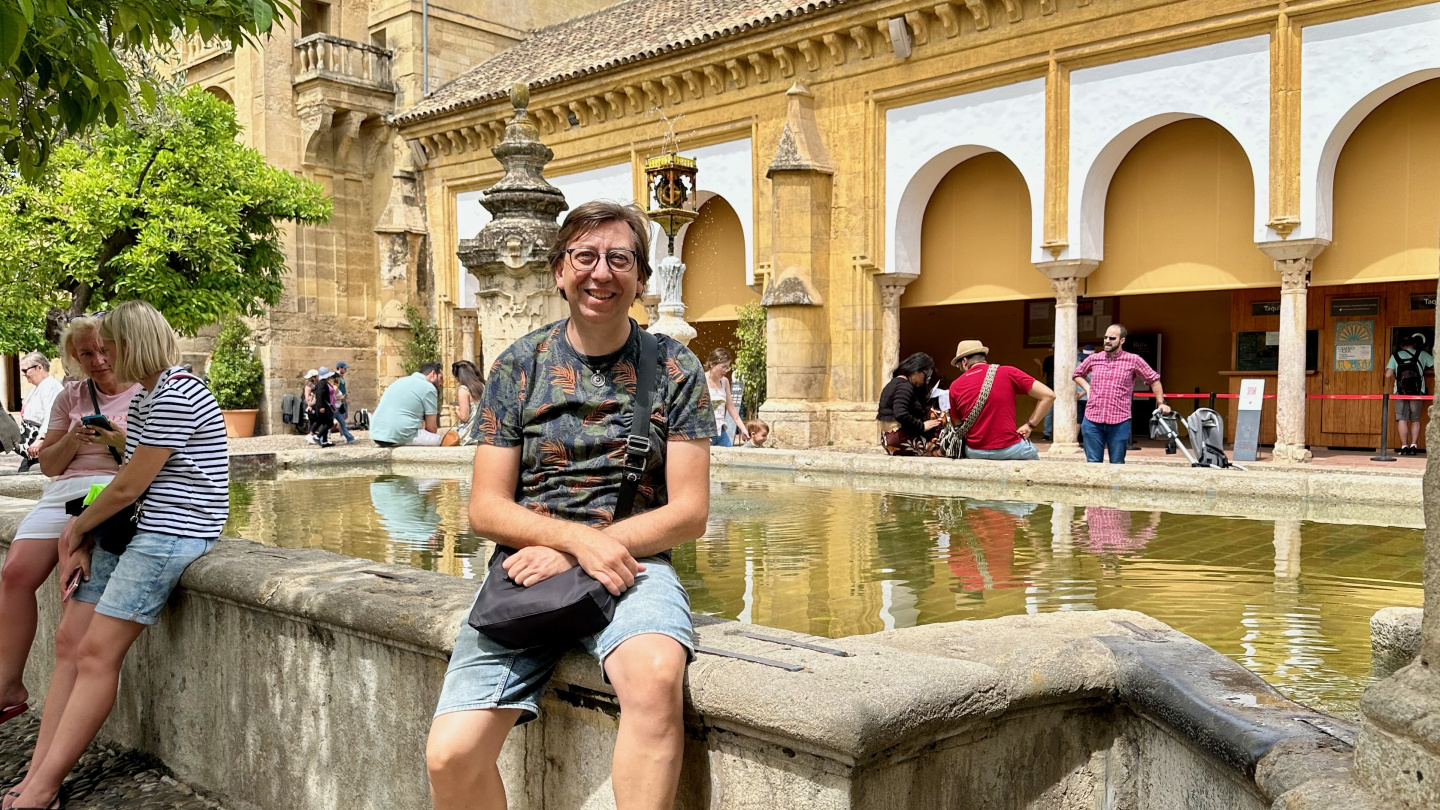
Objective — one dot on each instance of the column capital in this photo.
(1067, 290)
(1068, 268)
(1285, 250)
(1293, 259)
(892, 286)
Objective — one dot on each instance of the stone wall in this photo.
(298, 678)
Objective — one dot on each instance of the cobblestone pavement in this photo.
(105, 779)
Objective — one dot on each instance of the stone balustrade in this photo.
(322, 56)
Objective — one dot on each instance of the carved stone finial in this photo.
(519, 96)
(800, 146)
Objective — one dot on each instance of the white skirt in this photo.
(47, 519)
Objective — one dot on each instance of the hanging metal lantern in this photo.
(671, 179)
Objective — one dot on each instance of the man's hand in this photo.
(1165, 409)
(535, 564)
(607, 561)
(1024, 430)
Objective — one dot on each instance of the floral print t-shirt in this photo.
(541, 396)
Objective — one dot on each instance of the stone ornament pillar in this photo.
(1293, 260)
(670, 276)
(466, 321)
(1065, 281)
(892, 286)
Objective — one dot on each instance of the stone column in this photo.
(797, 336)
(1065, 281)
(892, 286)
(465, 322)
(1293, 260)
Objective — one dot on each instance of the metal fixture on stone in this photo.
(517, 290)
(671, 179)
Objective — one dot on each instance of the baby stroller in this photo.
(1207, 437)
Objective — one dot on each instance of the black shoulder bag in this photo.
(571, 604)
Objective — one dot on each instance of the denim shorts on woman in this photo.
(135, 585)
(485, 674)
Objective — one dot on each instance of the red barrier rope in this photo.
(1393, 397)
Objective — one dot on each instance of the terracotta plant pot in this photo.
(240, 424)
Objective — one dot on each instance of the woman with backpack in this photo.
(116, 585)
(78, 453)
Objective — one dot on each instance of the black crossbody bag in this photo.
(571, 604)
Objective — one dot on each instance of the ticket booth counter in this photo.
(1352, 332)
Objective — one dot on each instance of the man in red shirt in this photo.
(1108, 378)
(994, 435)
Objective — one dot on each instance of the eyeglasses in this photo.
(96, 315)
(619, 260)
(1107, 337)
(28, 369)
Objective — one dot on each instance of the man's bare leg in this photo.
(461, 755)
(648, 673)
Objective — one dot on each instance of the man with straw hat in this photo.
(982, 401)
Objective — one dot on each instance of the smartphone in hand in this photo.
(97, 420)
(75, 580)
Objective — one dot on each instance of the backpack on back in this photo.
(1409, 376)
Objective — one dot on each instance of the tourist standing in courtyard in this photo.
(35, 411)
(548, 476)
(717, 365)
(175, 457)
(409, 410)
(322, 407)
(993, 389)
(342, 400)
(77, 455)
(1407, 367)
(1108, 378)
(906, 428)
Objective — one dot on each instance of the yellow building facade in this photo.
(315, 97)
(968, 160)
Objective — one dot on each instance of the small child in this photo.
(759, 432)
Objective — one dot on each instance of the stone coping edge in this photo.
(1300, 483)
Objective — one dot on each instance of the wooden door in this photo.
(1353, 343)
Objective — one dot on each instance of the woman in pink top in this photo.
(75, 455)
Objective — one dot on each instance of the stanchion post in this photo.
(1384, 430)
(1212, 400)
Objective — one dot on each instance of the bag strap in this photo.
(94, 398)
(637, 444)
(984, 397)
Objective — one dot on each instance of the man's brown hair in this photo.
(588, 216)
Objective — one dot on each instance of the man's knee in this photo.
(648, 672)
(462, 743)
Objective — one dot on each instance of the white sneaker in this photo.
(310, 438)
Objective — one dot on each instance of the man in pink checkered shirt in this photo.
(1108, 378)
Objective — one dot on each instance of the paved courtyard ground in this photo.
(105, 779)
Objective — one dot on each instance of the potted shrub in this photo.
(237, 378)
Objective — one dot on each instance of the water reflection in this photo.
(1291, 600)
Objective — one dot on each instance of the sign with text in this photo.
(1354, 345)
(1247, 423)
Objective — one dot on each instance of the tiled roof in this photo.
(621, 34)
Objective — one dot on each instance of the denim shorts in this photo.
(485, 674)
(135, 585)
